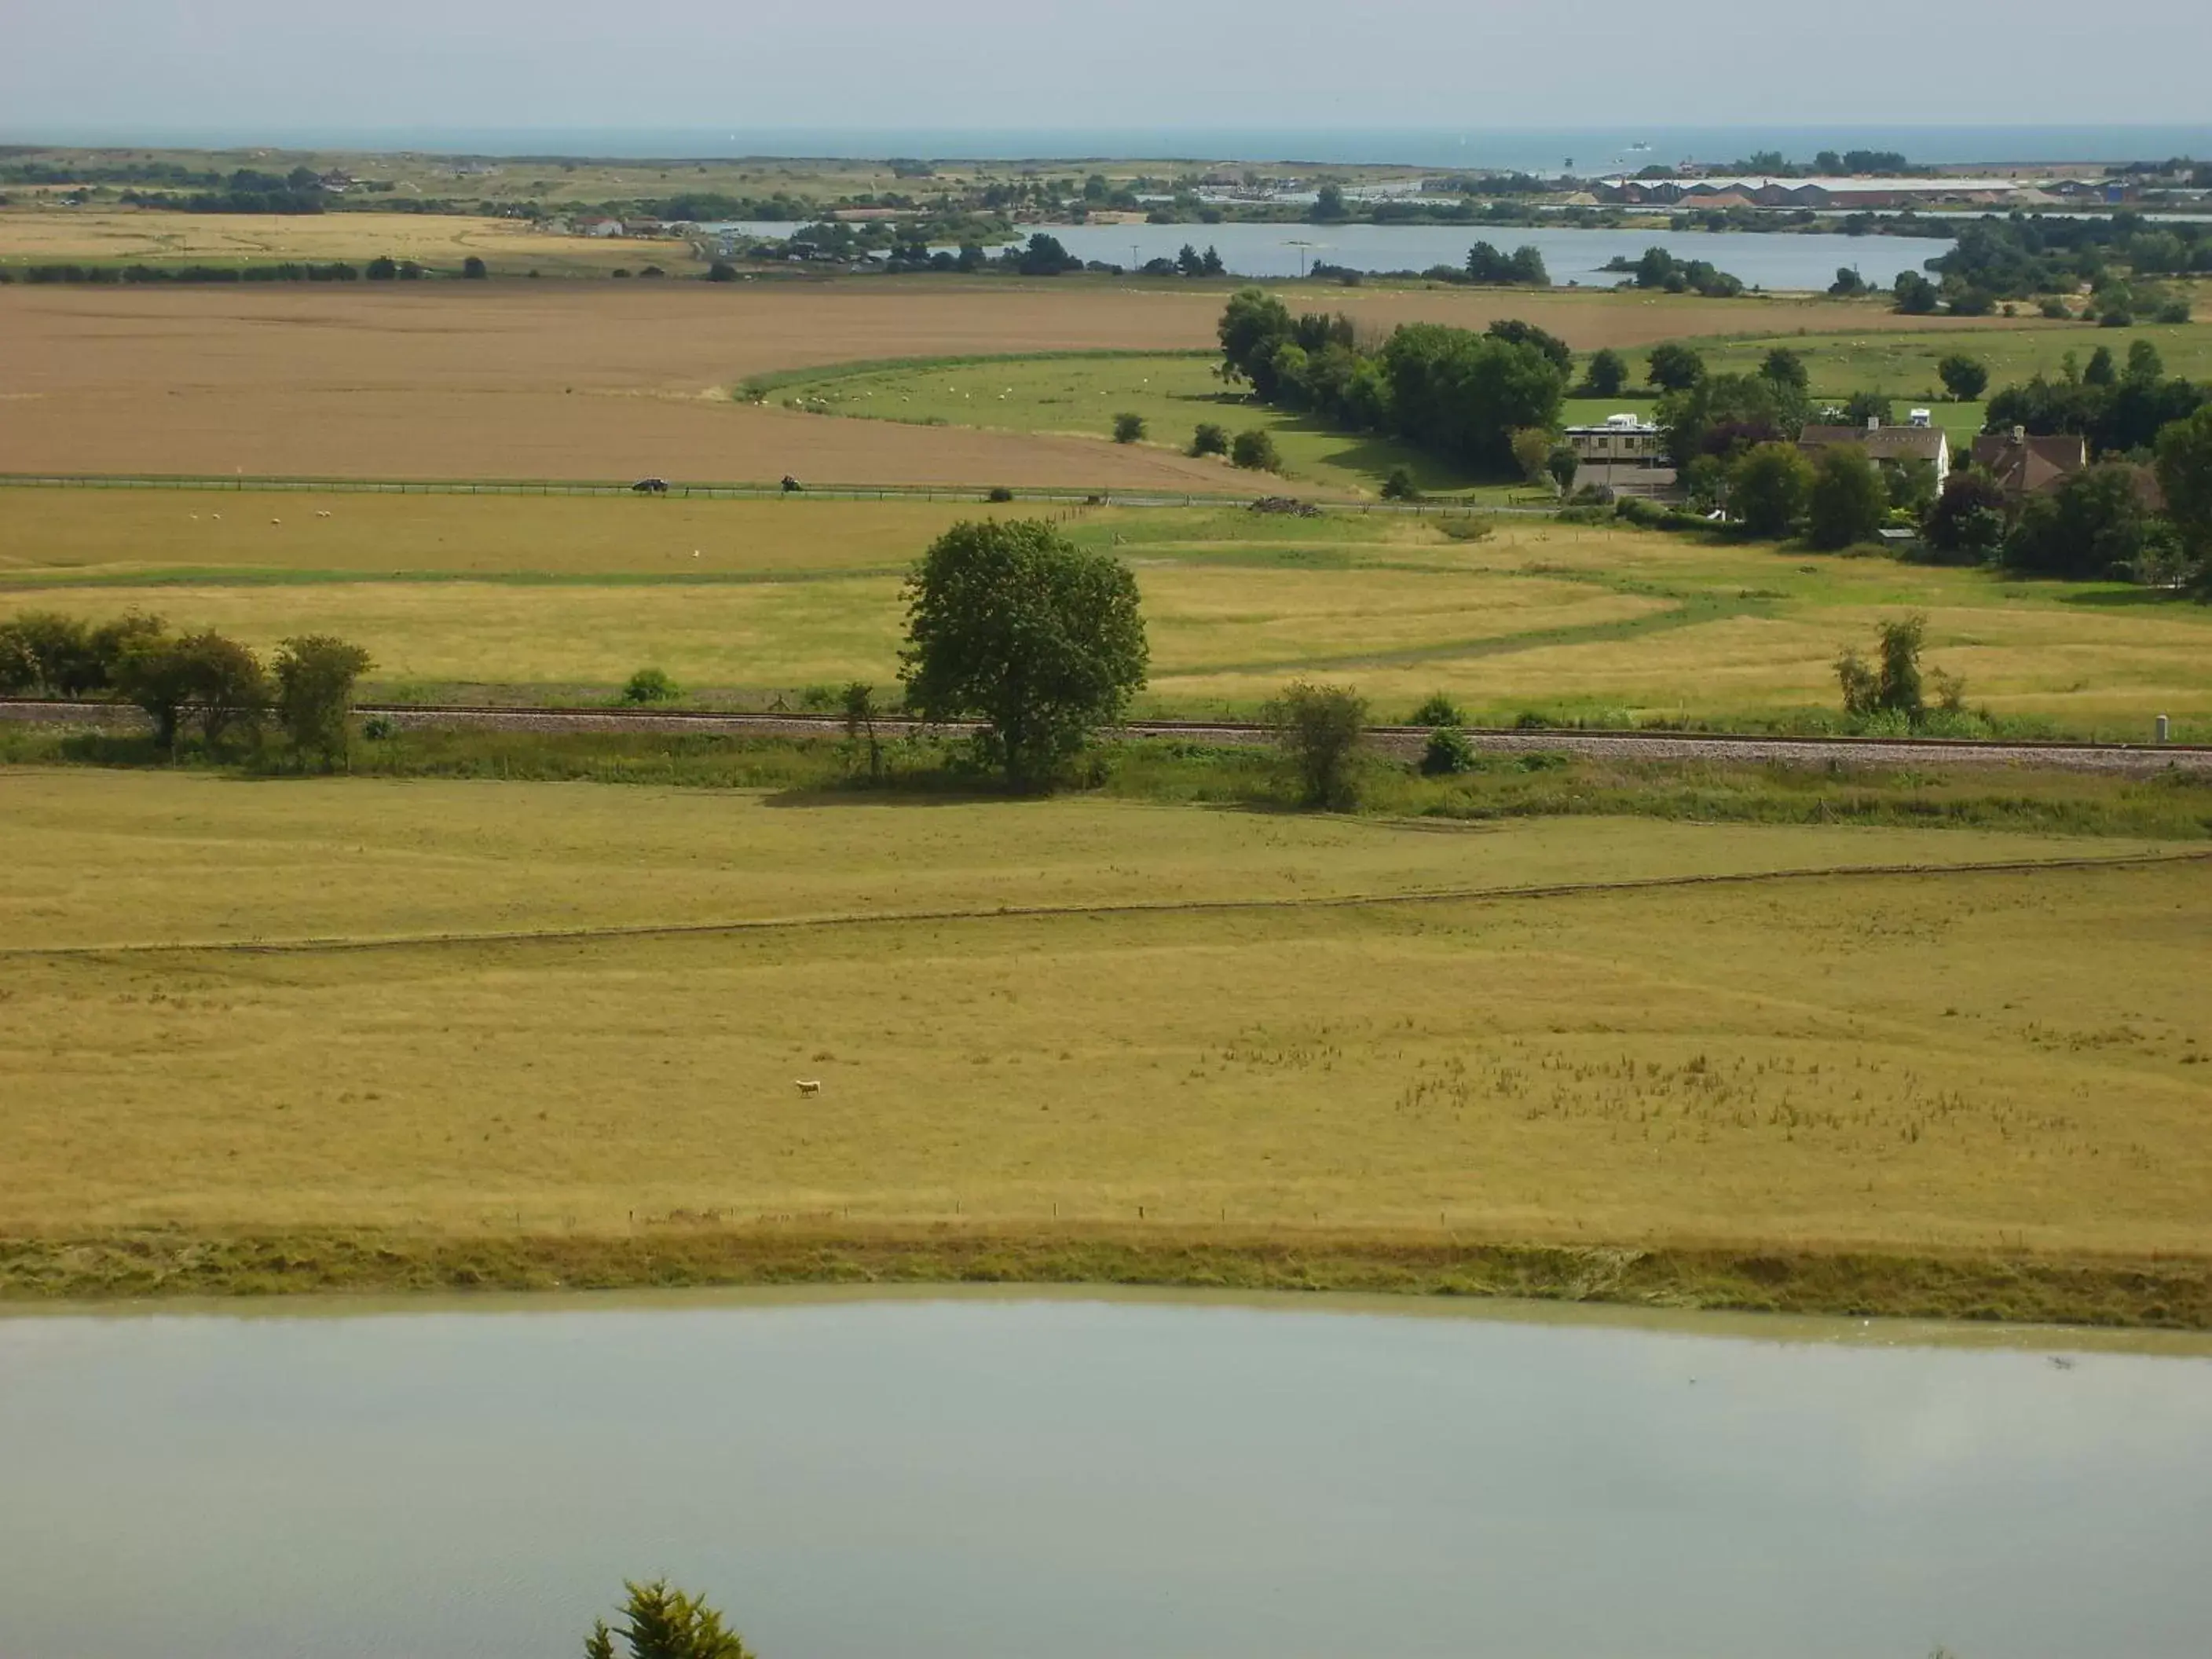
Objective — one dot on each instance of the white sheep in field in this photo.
(808, 1085)
(320, 514)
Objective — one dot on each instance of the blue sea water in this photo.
(1589, 150)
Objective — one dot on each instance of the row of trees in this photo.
(202, 679)
(246, 191)
(1450, 390)
(2120, 408)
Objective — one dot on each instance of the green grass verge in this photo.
(2173, 805)
(2164, 1292)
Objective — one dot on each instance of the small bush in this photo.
(1210, 439)
(821, 698)
(1254, 451)
(1322, 729)
(2056, 310)
(2117, 319)
(1468, 529)
(650, 685)
(378, 728)
(1399, 485)
(1000, 493)
(1129, 428)
(315, 676)
(1439, 710)
(1448, 752)
(1645, 516)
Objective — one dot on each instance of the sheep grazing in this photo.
(808, 1085)
(321, 514)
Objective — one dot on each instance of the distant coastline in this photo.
(1591, 149)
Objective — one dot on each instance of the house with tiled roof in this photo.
(1887, 445)
(2023, 465)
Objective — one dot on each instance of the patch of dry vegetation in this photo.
(1976, 1062)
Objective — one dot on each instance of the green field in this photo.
(1079, 395)
(744, 602)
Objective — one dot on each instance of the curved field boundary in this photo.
(756, 387)
(338, 945)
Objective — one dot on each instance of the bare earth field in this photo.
(1882, 1061)
(509, 379)
(507, 246)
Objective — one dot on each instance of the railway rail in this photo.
(1612, 744)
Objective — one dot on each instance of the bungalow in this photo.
(1888, 445)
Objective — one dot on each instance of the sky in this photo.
(143, 67)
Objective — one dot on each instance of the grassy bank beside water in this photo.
(2166, 1291)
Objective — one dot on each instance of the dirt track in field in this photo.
(607, 380)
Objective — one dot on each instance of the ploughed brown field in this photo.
(519, 380)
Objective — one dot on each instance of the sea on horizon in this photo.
(1586, 150)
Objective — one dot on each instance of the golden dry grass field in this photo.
(507, 246)
(744, 599)
(1875, 1061)
(516, 379)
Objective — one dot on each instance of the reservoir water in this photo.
(989, 1477)
(1808, 260)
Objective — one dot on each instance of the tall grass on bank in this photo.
(2171, 804)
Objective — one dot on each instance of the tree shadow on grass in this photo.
(2128, 599)
(921, 789)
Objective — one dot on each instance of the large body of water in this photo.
(1590, 150)
(979, 1478)
(1802, 260)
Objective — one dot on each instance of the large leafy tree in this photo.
(1847, 501)
(1767, 488)
(1967, 521)
(1466, 393)
(2185, 477)
(1608, 372)
(1964, 377)
(1725, 414)
(2092, 525)
(1253, 323)
(1012, 624)
(1676, 367)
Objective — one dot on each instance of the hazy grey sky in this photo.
(296, 64)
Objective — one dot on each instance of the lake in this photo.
(1007, 1476)
(1806, 260)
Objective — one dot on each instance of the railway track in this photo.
(1639, 745)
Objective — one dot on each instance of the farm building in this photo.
(1624, 453)
(1621, 440)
